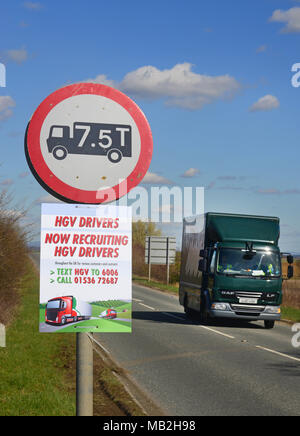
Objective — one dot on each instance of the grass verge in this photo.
(155, 285)
(38, 370)
(290, 314)
(112, 399)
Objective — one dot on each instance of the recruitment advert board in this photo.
(85, 268)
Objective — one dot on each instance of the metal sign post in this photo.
(168, 261)
(160, 250)
(149, 260)
(84, 375)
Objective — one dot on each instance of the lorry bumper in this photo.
(224, 310)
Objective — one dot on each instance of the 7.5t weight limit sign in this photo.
(111, 140)
(87, 141)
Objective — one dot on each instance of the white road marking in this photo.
(181, 319)
(217, 331)
(173, 316)
(223, 334)
(98, 343)
(278, 353)
(148, 307)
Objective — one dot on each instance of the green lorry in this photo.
(231, 267)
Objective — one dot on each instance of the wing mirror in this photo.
(290, 271)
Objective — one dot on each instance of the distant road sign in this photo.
(88, 143)
(160, 250)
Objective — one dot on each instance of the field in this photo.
(291, 288)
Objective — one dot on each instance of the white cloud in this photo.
(261, 49)
(17, 56)
(266, 103)
(6, 105)
(102, 80)
(156, 179)
(6, 182)
(178, 86)
(34, 6)
(24, 174)
(47, 199)
(191, 172)
(291, 18)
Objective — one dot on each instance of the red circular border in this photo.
(59, 187)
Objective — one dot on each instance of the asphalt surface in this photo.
(189, 369)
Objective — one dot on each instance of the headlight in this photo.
(219, 306)
(272, 309)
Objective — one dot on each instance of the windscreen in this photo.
(260, 263)
(55, 304)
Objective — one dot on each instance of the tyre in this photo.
(188, 312)
(114, 155)
(269, 324)
(204, 317)
(63, 320)
(59, 152)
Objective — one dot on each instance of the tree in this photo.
(141, 229)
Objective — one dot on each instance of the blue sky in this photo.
(217, 93)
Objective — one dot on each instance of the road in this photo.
(193, 370)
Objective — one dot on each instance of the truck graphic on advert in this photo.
(231, 267)
(63, 310)
(111, 140)
(109, 314)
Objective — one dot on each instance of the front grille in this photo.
(243, 294)
(51, 315)
(247, 308)
(240, 294)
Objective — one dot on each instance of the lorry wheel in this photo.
(60, 152)
(188, 312)
(204, 318)
(114, 155)
(269, 324)
(63, 320)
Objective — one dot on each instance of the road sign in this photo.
(85, 269)
(160, 250)
(88, 143)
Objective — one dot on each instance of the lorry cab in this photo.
(245, 283)
(231, 268)
(58, 310)
(59, 141)
(66, 309)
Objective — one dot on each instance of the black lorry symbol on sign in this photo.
(111, 140)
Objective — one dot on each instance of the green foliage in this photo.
(13, 250)
(35, 366)
(110, 303)
(141, 229)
